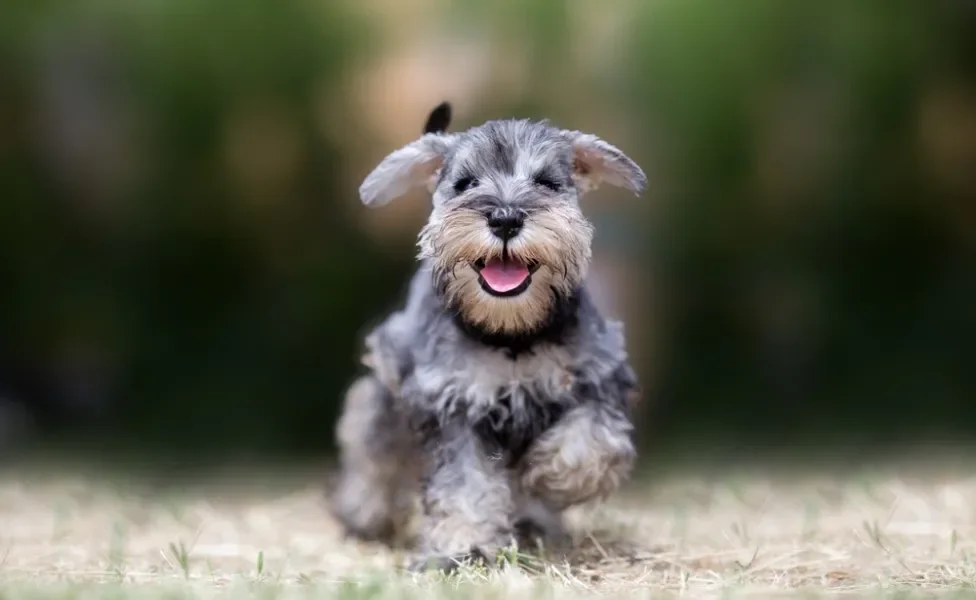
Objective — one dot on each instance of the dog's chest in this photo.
(509, 402)
(488, 380)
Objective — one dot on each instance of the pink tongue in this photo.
(504, 276)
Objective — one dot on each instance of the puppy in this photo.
(498, 394)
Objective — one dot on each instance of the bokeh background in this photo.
(186, 270)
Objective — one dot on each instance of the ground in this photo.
(729, 536)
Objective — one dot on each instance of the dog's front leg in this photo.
(585, 456)
(467, 500)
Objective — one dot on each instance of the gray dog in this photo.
(498, 394)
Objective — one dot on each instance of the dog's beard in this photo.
(544, 263)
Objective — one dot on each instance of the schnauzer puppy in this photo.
(498, 394)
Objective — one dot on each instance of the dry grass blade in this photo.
(893, 536)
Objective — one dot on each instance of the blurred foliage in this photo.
(820, 279)
(173, 230)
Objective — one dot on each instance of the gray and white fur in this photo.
(499, 411)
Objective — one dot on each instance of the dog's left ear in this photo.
(412, 166)
(596, 161)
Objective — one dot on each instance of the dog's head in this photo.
(506, 238)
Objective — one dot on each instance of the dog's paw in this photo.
(579, 460)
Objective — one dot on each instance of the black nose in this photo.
(505, 223)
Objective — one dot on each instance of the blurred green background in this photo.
(186, 270)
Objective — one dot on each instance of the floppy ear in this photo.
(412, 166)
(595, 162)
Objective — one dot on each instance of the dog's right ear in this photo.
(412, 166)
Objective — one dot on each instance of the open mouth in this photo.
(505, 276)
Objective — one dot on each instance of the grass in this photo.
(734, 535)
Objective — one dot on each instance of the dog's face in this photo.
(506, 237)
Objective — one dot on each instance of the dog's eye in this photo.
(464, 184)
(547, 182)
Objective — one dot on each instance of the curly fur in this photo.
(497, 412)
